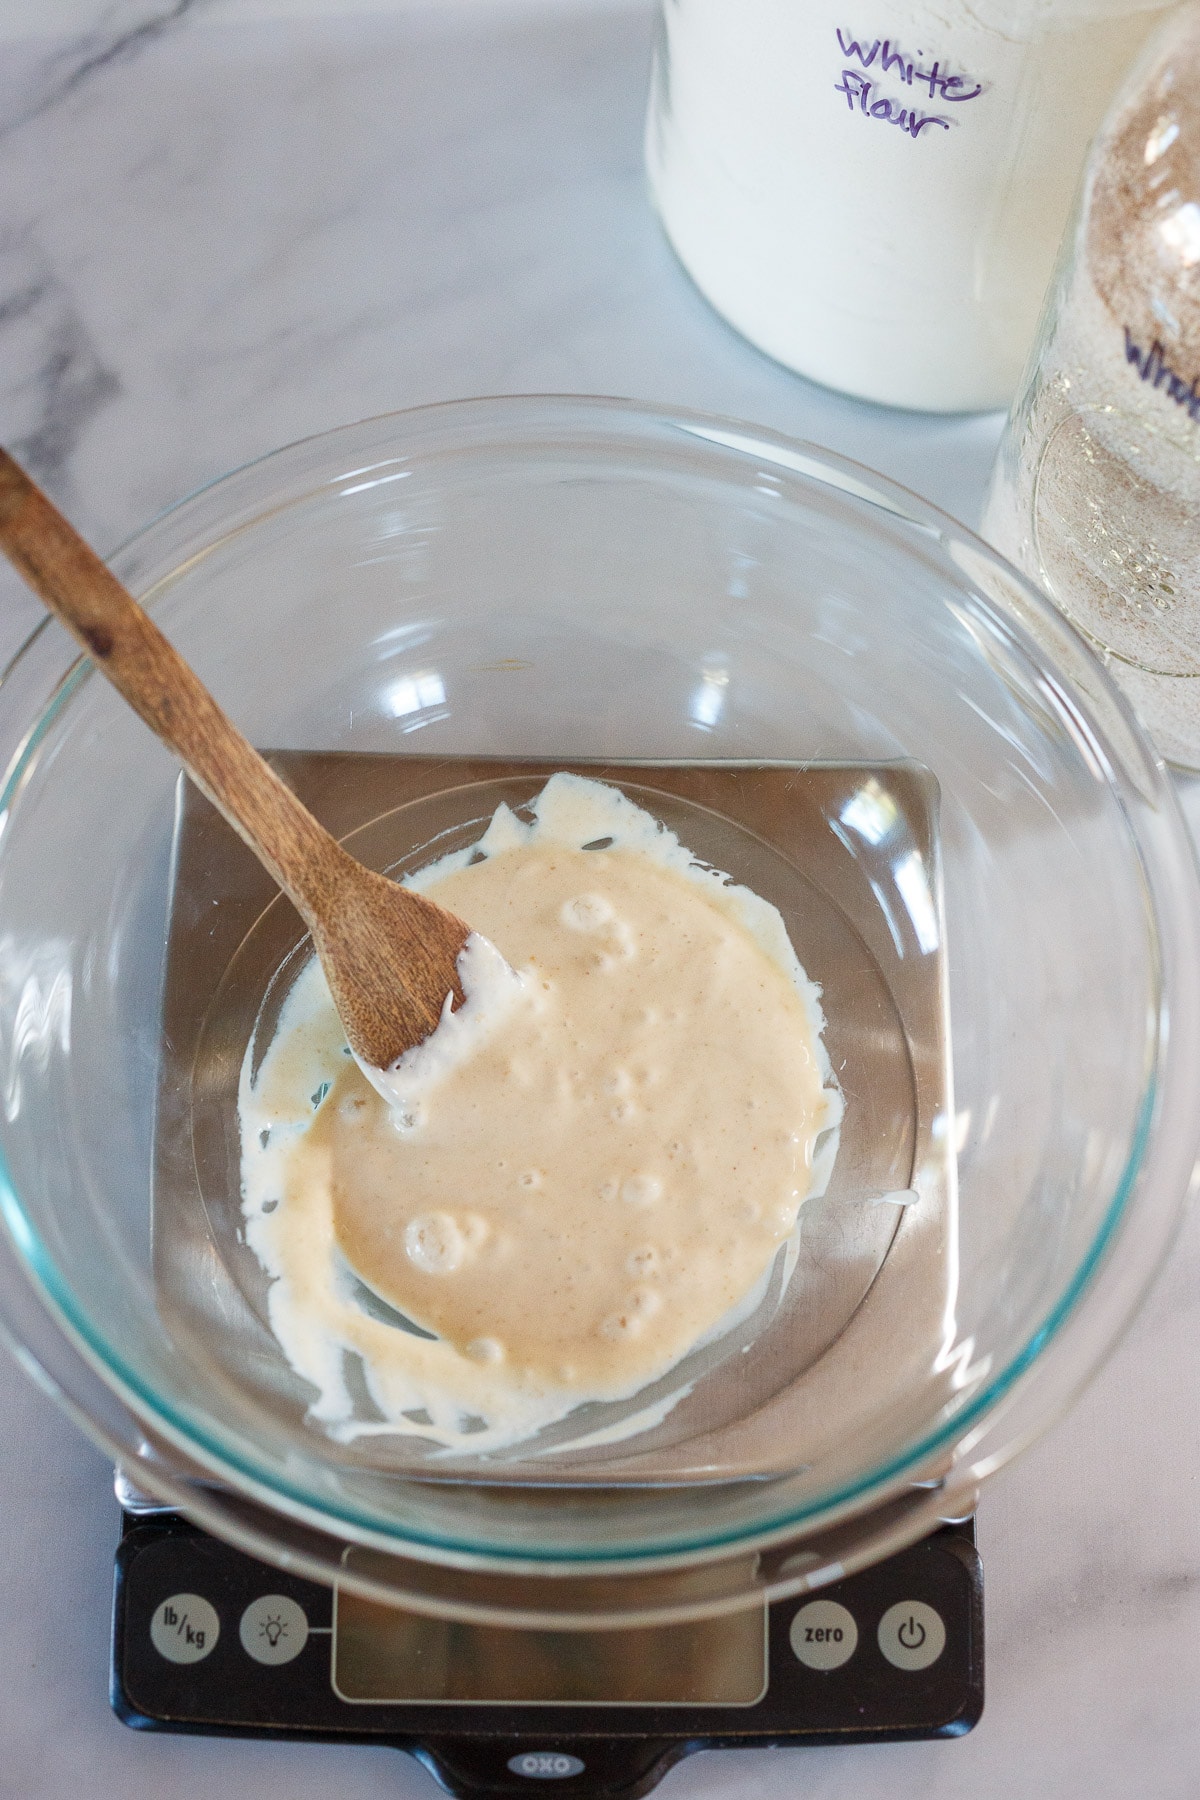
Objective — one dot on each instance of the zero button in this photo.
(823, 1635)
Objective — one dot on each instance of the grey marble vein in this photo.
(54, 376)
(120, 31)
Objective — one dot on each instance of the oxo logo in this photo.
(545, 1765)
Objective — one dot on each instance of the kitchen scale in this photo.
(207, 1639)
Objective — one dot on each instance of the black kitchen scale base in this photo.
(206, 1639)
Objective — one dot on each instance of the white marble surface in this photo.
(223, 226)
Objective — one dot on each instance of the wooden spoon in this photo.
(389, 955)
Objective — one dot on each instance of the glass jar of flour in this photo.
(1096, 490)
(873, 192)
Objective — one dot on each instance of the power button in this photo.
(911, 1635)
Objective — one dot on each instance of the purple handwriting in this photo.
(1152, 366)
(884, 57)
(858, 91)
(893, 61)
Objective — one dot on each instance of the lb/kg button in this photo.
(185, 1628)
(911, 1635)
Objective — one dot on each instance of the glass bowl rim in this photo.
(793, 457)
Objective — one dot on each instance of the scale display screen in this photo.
(385, 1657)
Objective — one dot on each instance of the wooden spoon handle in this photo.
(68, 575)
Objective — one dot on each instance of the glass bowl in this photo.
(832, 691)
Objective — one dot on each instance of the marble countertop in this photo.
(226, 225)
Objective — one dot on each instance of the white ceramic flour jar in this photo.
(873, 191)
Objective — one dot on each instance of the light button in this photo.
(911, 1635)
(273, 1629)
(823, 1635)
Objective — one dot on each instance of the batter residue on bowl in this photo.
(600, 1185)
